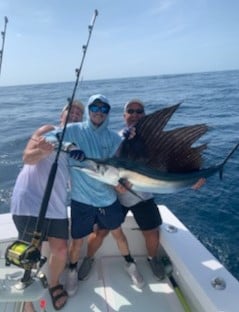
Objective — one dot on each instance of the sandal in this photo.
(56, 293)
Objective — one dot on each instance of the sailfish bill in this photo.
(156, 160)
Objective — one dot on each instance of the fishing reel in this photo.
(22, 254)
(27, 257)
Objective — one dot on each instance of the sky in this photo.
(131, 38)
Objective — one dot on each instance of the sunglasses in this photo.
(137, 111)
(96, 109)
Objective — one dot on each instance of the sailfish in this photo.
(156, 160)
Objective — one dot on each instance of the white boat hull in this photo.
(110, 289)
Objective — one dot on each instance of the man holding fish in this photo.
(94, 202)
(141, 204)
(143, 207)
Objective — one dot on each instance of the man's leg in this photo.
(95, 240)
(72, 274)
(74, 250)
(151, 241)
(131, 268)
(121, 241)
(57, 262)
(152, 244)
(82, 222)
(148, 218)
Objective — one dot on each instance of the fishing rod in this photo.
(3, 33)
(27, 255)
(51, 177)
(169, 272)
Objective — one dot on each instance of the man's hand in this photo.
(123, 186)
(199, 184)
(45, 146)
(129, 133)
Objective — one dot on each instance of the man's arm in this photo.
(37, 147)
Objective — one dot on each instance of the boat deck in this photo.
(110, 289)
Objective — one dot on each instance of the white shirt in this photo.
(30, 187)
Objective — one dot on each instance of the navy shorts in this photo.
(83, 218)
(146, 214)
(26, 225)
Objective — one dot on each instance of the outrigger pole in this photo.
(3, 33)
(27, 256)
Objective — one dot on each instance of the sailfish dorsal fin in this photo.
(168, 151)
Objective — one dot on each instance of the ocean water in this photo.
(211, 213)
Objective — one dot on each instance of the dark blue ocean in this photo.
(211, 213)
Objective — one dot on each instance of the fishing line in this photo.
(3, 33)
(226, 159)
(21, 253)
(52, 174)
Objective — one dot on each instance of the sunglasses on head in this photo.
(137, 111)
(96, 109)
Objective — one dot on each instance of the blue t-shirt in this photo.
(96, 142)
